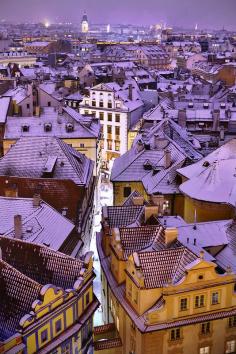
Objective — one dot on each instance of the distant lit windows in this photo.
(183, 304)
(127, 192)
(215, 298)
(232, 321)
(204, 350)
(230, 346)
(199, 301)
(205, 328)
(175, 334)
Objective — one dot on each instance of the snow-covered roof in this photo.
(4, 106)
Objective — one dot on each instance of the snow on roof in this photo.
(41, 225)
(213, 178)
(4, 106)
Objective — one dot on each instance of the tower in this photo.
(84, 24)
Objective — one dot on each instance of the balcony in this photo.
(106, 337)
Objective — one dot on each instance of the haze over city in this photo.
(185, 13)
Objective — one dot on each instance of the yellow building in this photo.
(47, 300)
(163, 296)
(209, 186)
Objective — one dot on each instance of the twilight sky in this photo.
(207, 13)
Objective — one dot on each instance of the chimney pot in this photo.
(36, 200)
(18, 226)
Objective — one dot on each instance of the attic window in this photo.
(147, 165)
(69, 127)
(190, 104)
(205, 105)
(29, 229)
(206, 164)
(47, 127)
(222, 105)
(25, 128)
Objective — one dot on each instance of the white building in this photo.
(84, 24)
(119, 109)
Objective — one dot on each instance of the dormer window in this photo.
(47, 127)
(222, 105)
(190, 105)
(206, 105)
(69, 127)
(25, 128)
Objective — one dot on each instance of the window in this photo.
(127, 191)
(175, 334)
(230, 347)
(25, 128)
(183, 304)
(101, 104)
(109, 144)
(118, 105)
(117, 117)
(205, 328)
(215, 298)
(28, 106)
(101, 115)
(82, 145)
(87, 299)
(44, 336)
(117, 131)
(109, 129)
(86, 112)
(117, 146)
(86, 103)
(199, 301)
(109, 117)
(204, 350)
(232, 321)
(109, 104)
(93, 103)
(58, 326)
(49, 104)
(66, 349)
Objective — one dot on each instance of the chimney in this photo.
(150, 210)
(158, 200)
(171, 235)
(167, 158)
(216, 119)
(18, 226)
(36, 200)
(182, 118)
(222, 133)
(60, 110)
(130, 96)
(160, 141)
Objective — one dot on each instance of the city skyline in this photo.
(207, 14)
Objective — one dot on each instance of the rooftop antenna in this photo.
(195, 219)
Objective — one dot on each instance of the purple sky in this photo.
(207, 13)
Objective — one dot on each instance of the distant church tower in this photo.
(84, 24)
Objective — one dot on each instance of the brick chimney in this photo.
(182, 118)
(150, 210)
(36, 200)
(167, 158)
(18, 226)
(216, 119)
(171, 235)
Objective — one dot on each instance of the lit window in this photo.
(232, 321)
(199, 301)
(175, 334)
(230, 347)
(215, 298)
(109, 129)
(183, 304)
(204, 350)
(205, 328)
